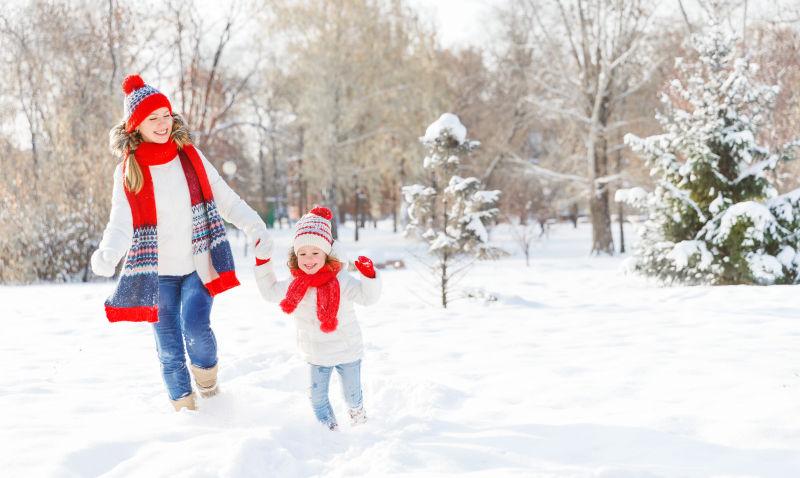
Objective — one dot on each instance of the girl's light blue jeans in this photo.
(350, 373)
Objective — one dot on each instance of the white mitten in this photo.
(263, 244)
(103, 263)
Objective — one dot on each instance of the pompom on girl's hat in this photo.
(140, 100)
(314, 229)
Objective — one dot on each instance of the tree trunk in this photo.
(394, 215)
(621, 209)
(264, 183)
(599, 207)
(621, 228)
(355, 214)
(443, 270)
(398, 194)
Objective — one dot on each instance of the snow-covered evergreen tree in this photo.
(715, 215)
(451, 213)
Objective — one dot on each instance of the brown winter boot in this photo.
(186, 402)
(206, 380)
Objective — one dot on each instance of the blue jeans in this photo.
(350, 374)
(184, 312)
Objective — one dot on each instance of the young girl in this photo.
(165, 214)
(320, 297)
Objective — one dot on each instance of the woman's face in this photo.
(310, 259)
(157, 127)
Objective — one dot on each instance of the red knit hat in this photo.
(141, 100)
(314, 229)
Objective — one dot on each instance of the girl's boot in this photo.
(358, 416)
(206, 380)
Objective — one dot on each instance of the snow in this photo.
(759, 168)
(476, 226)
(442, 241)
(782, 206)
(765, 268)
(740, 138)
(684, 250)
(788, 257)
(458, 184)
(717, 204)
(633, 196)
(576, 370)
(417, 190)
(447, 123)
(762, 219)
(486, 197)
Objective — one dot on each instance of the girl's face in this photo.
(157, 127)
(310, 259)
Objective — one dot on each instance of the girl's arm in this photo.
(367, 290)
(270, 287)
(118, 234)
(231, 207)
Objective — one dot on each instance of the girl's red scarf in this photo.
(327, 294)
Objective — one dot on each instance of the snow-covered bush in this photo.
(715, 215)
(452, 213)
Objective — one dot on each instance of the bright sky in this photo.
(459, 23)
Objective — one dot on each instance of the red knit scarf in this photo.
(136, 295)
(153, 154)
(327, 294)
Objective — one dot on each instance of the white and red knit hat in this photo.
(314, 229)
(141, 100)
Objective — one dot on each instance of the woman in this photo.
(167, 207)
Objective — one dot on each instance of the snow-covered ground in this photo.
(577, 370)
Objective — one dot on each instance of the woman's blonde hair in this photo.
(330, 260)
(123, 144)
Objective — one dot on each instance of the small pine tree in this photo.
(715, 215)
(452, 213)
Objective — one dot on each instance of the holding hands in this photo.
(263, 249)
(263, 244)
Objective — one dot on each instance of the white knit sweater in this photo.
(343, 345)
(173, 210)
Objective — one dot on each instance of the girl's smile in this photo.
(310, 259)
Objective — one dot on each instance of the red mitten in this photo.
(365, 266)
(260, 262)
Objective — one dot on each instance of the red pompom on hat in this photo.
(141, 99)
(322, 211)
(314, 229)
(132, 82)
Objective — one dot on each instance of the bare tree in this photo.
(591, 46)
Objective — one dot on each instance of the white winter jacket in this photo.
(173, 210)
(343, 345)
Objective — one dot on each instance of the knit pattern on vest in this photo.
(135, 298)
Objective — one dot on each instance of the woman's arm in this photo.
(231, 207)
(118, 234)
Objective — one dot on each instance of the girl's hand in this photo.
(365, 266)
(262, 257)
(103, 263)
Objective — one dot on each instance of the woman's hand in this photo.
(103, 263)
(365, 266)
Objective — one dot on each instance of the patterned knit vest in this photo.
(135, 298)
